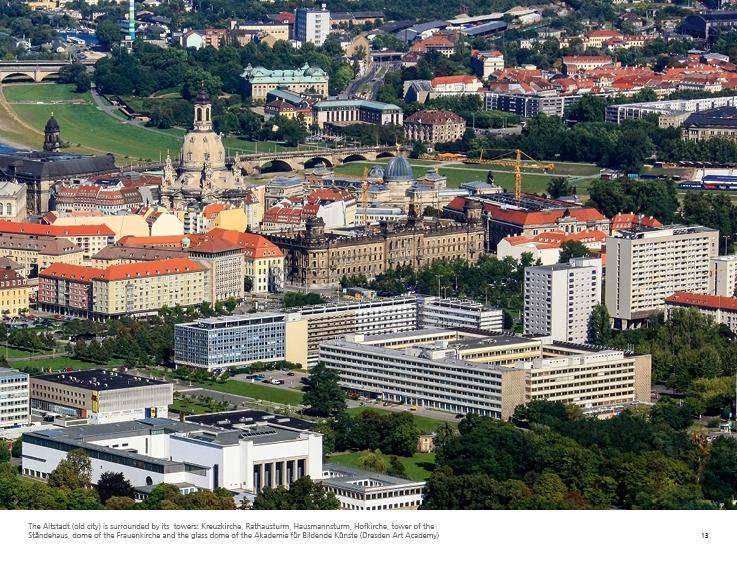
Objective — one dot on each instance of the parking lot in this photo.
(293, 381)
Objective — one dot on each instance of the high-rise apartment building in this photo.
(14, 401)
(646, 265)
(723, 276)
(312, 25)
(559, 299)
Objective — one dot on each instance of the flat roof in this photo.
(240, 418)
(349, 478)
(99, 379)
(232, 320)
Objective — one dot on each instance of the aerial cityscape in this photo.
(366, 255)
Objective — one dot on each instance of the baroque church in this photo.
(202, 174)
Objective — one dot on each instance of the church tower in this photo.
(52, 135)
(202, 112)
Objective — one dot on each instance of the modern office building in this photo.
(14, 401)
(154, 451)
(458, 313)
(483, 373)
(667, 109)
(367, 490)
(101, 396)
(721, 310)
(644, 266)
(333, 320)
(559, 299)
(723, 276)
(240, 340)
(312, 25)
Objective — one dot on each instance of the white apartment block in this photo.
(559, 299)
(645, 266)
(482, 373)
(723, 276)
(14, 400)
(312, 25)
(458, 313)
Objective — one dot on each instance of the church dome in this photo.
(200, 148)
(202, 97)
(398, 169)
(51, 125)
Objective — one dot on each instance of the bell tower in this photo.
(52, 135)
(202, 112)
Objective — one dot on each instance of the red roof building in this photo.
(722, 310)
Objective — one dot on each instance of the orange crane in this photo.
(518, 164)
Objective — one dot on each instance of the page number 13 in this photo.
(705, 535)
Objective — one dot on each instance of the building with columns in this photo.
(244, 459)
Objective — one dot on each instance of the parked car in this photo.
(277, 382)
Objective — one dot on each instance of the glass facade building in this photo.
(218, 342)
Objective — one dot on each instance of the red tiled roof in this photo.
(453, 79)
(254, 246)
(703, 300)
(64, 271)
(55, 230)
(150, 269)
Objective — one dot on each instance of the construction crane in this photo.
(518, 164)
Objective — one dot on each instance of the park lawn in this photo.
(425, 424)
(12, 352)
(419, 466)
(259, 392)
(45, 92)
(60, 363)
(84, 127)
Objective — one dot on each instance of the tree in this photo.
(418, 150)
(107, 32)
(73, 472)
(396, 467)
(120, 503)
(302, 494)
(600, 327)
(572, 249)
(372, 461)
(113, 484)
(17, 451)
(720, 471)
(4, 451)
(560, 187)
(323, 394)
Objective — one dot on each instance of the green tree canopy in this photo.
(322, 393)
